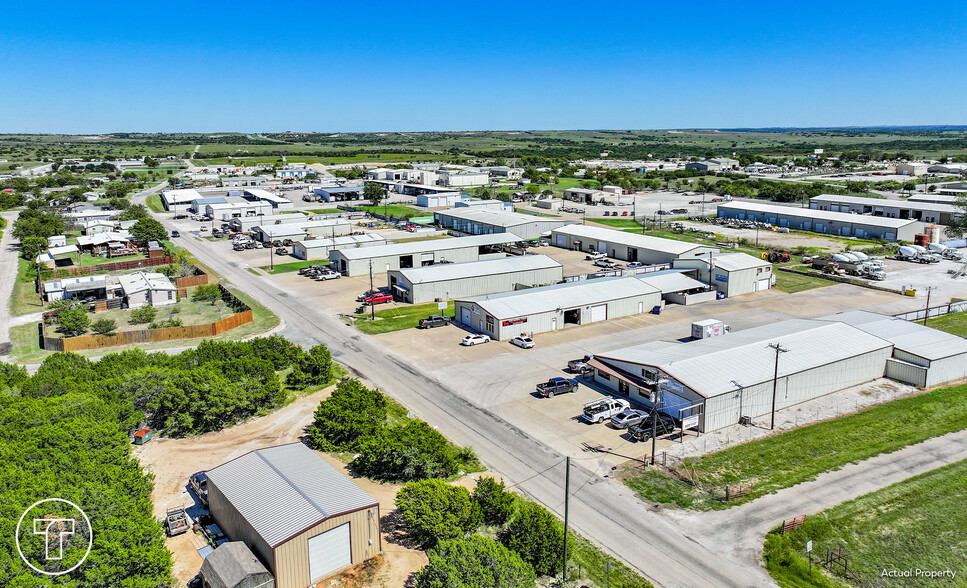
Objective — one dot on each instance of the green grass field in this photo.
(395, 210)
(620, 223)
(787, 459)
(398, 317)
(284, 268)
(24, 299)
(324, 211)
(913, 524)
(955, 324)
(791, 283)
(154, 203)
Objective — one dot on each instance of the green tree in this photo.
(414, 451)
(538, 537)
(533, 188)
(352, 413)
(30, 247)
(148, 161)
(434, 511)
(138, 212)
(104, 326)
(144, 314)
(958, 222)
(496, 503)
(475, 561)
(73, 322)
(207, 293)
(374, 193)
(148, 229)
(317, 365)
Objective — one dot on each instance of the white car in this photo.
(635, 265)
(522, 342)
(203, 228)
(475, 339)
(595, 256)
(259, 245)
(327, 274)
(606, 263)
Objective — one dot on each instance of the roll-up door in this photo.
(599, 313)
(465, 316)
(562, 241)
(329, 552)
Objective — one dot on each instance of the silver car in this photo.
(627, 418)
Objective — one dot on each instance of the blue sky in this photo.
(93, 67)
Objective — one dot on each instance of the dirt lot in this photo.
(172, 461)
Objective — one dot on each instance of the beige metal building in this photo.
(301, 517)
(319, 248)
(626, 246)
(353, 261)
(457, 280)
(333, 227)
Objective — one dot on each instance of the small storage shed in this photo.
(233, 565)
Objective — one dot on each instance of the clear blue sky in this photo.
(93, 67)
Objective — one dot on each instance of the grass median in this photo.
(398, 318)
(284, 268)
(800, 455)
(883, 530)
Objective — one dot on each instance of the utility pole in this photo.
(654, 421)
(775, 380)
(926, 311)
(710, 266)
(271, 258)
(372, 307)
(567, 492)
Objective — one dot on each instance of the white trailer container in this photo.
(708, 328)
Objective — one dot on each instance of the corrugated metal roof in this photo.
(571, 295)
(843, 217)
(741, 359)
(181, 196)
(629, 239)
(883, 202)
(909, 337)
(301, 227)
(344, 240)
(413, 247)
(340, 190)
(498, 218)
(489, 267)
(671, 282)
(731, 262)
(283, 490)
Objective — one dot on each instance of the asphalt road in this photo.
(602, 511)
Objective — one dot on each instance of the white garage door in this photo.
(762, 285)
(602, 247)
(562, 241)
(465, 316)
(599, 313)
(329, 551)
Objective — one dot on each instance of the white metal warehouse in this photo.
(921, 356)
(486, 222)
(733, 274)
(247, 223)
(300, 516)
(458, 280)
(727, 377)
(823, 221)
(538, 310)
(383, 258)
(626, 246)
(311, 249)
(332, 227)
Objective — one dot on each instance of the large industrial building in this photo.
(491, 204)
(727, 377)
(912, 169)
(339, 194)
(459, 280)
(300, 516)
(486, 222)
(927, 212)
(179, 200)
(247, 223)
(733, 274)
(538, 310)
(332, 227)
(821, 221)
(626, 246)
(383, 258)
(438, 200)
(312, 249)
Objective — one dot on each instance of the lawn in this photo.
(797, 456)
(423, 238)
(916, 524)
(398, 317)
(532, 212)
(284, 268)
(325, 211)
(791, 283)
(395, 210)
(619, 223)
(87, 259)
(154, 203)
(955, 323)
(24, 299)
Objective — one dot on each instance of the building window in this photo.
(604, 376)
(758, 270)
(490, 324)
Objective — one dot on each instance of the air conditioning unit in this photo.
(745, 421)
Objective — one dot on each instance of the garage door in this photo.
(562, 241)
(465, 316)
(329, 552)
(762, 285)
(602, 247)
(599, 313)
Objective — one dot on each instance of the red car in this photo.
(379, 299)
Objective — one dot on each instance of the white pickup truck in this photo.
(598, 411)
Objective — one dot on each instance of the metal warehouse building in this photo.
(626, 246)
(458, 280)
(332, 227)
(725, 378)
(320, 248)
(301, 517)
(538, 310)
(340, 194)
(921, 356)
(733, 274)
(357, 261)
(179, 200)
(821, 221)
(907, 209)
(245, 224)
(486, 222)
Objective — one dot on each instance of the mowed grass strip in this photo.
(791, 283)
(398, 317)
(284, 268)
(955, 324)
(800, 455)
(914, 524)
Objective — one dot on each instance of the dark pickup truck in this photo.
(556, 386)
(434, 320)
(642, 430)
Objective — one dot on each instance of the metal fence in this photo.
(933, 311)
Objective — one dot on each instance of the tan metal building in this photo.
(300, 516)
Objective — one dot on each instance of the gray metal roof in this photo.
(906, 336)
(411, 247)
(671, 282)
(281, 491)
(499, 218)
(843, 217)
(565, 296)
(489, 267)
(884, 203)
(629, 239)
(731, 262)
(714, 366)
(229, 564)
(340, 241)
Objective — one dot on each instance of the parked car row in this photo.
(319, 273)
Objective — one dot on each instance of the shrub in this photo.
(413, 452)
(475, 561)
(30, 247)
(276, 349)
(104, 326)
(207, 293)
(352, 413)
(433, 511)
(297, 379)
(317, 365)
(538, 537)
(73, 322)
(496, 504)
(144, 314)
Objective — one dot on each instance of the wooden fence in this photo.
(115, 266)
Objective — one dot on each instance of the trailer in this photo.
(841, 264)
(177, 521)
